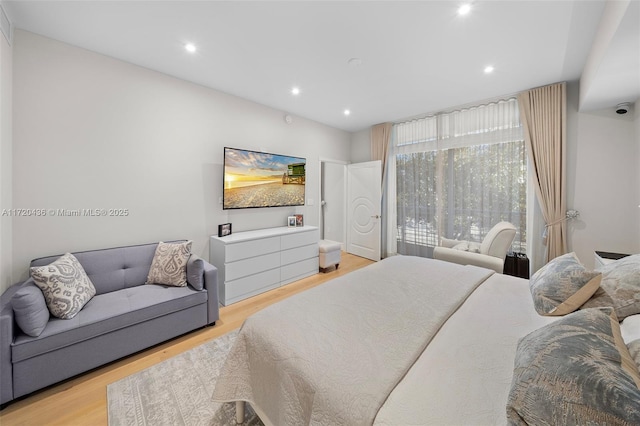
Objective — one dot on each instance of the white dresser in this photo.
(253, 262)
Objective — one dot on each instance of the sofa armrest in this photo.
(7, 334)
(211, 284)
(468, 258)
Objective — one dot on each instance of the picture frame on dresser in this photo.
(224, 229)
(291, 221)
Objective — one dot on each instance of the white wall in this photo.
(94, 132)
(603, 181)
(6, 221)
(361, 146)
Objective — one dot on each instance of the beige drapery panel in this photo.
(380, 142)
(380, 138)
(543, 113)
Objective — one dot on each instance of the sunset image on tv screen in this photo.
(259, 179)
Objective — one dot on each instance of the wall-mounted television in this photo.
(260, 179)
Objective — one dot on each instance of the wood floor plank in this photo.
(83, 400)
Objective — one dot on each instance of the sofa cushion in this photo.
(65, 285)
(106, 313)
(30, 309)
(169, 265)
(112, 269)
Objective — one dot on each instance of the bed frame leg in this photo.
(239, 412)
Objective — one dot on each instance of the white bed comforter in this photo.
(464, 376)
(334, 354)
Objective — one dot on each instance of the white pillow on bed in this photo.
(630, 328)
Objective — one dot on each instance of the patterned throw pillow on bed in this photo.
(575, 371)
(620, 287)
(562, 285)
(169, 265)
(634, 350)
(65, 286)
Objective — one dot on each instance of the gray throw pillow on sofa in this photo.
(195, 271)
(65, 285)
(30, 310)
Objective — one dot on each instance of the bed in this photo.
(406, 340)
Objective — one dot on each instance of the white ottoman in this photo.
(329, 253)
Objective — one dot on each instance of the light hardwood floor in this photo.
(83, 400)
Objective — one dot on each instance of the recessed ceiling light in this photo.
(295, 91)
(347, 112)
(488, 69)
(190, 47)
(464, 9)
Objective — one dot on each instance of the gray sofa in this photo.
(125, 316)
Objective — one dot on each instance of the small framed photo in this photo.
(291, 221)
(299, 221)
(224, 230)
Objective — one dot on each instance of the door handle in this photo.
(377, 216)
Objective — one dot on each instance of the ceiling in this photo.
(416, 57)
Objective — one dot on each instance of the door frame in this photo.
(344, 164)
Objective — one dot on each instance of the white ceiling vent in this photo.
(5, 25)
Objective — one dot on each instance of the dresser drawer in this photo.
(298, 254)
(251, 266)
(252, 262)
(298, 270)
(299, 239)
(251, 248)
(251, 285)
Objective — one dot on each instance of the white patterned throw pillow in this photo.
(169, 265)
(620, 287)
(65, 286)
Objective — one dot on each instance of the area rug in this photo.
(177, 391)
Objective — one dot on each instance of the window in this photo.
(458, 174)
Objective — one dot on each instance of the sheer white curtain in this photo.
(457, 175)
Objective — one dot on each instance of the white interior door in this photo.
(363, 209)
